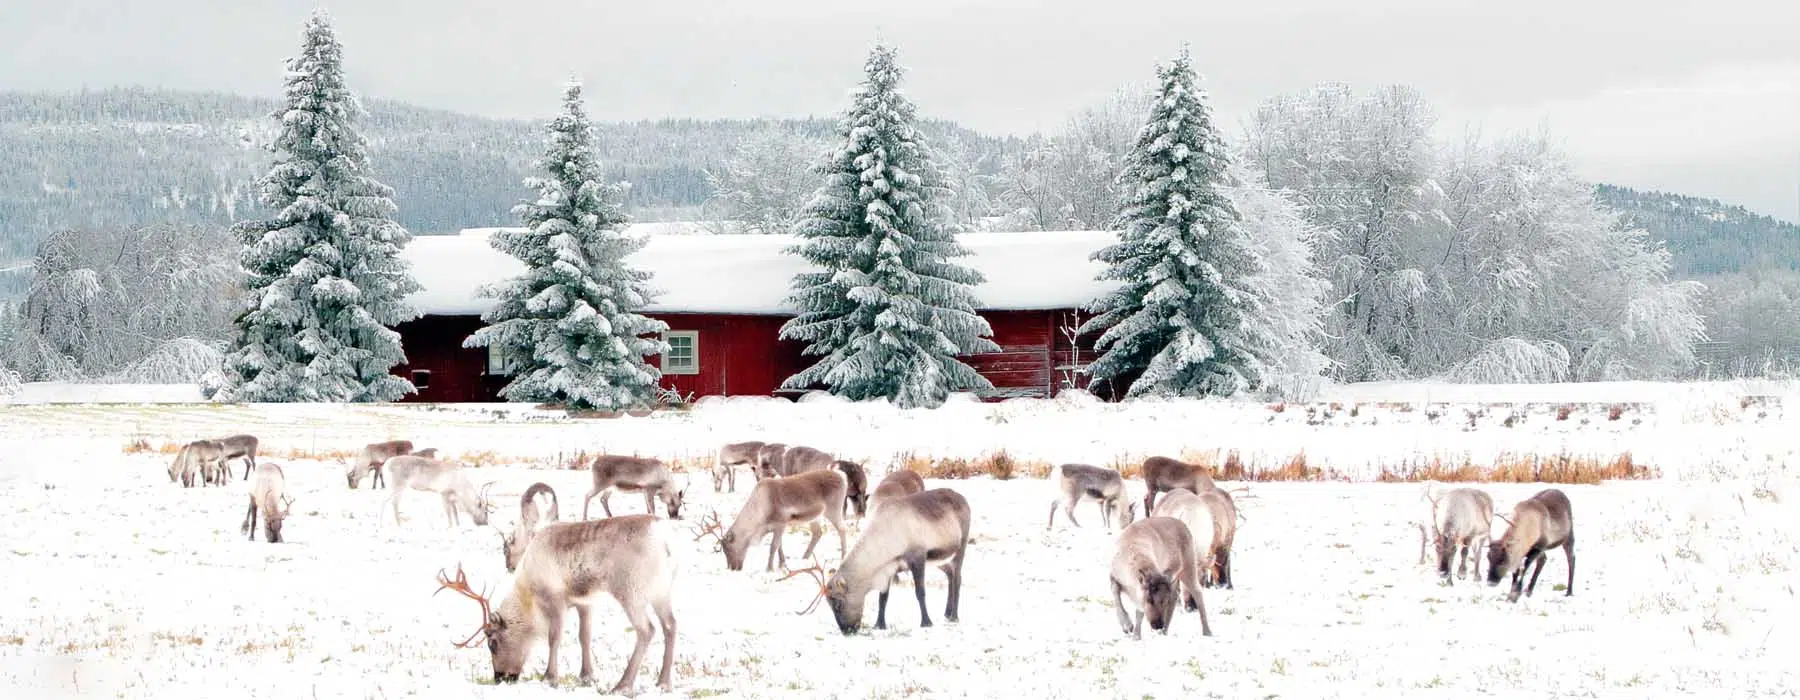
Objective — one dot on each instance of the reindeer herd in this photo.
(1160, 563)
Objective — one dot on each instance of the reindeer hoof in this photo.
(622, 689)
(924, 623)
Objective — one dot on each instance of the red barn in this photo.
(722, 298)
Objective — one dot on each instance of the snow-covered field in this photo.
(119, 584)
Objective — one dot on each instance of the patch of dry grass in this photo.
(1228, 465)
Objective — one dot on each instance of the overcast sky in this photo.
(1695, 96)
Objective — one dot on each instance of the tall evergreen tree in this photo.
(568, 327)
(1174, 326)
(325, 278)
(889, 312)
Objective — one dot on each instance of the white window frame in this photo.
(693, 342)
(496, 367)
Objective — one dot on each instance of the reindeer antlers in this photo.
(709, 525)
(818, 575)
(461, 585)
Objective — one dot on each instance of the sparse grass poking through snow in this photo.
(1513, 469)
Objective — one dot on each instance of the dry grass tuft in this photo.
(1523, 469)
(999, 465)
(1562, 412)
(141, 445)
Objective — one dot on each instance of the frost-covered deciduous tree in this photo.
(1362, 167)
(1175, 326)
(766, 181)
(150, 304)
(1285, 300)
(1069, 181)
(569, 327)
(326, 281)
(888, 311)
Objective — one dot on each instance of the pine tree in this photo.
(325, 278)
(568, 327)
(889, 312)
(1175, 322)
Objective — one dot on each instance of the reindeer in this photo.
(371, 458)
(731, 455)
(1540, 523)
(427, 452)
(630, 558)
(776, 502)
(646, 474)
(243, 446)
(411, 472)
(1153, 565)
(856, 493)
(897, 484)
(768, 459)
(798, 459)
(1105, 487)
(269, 493)
(1166, 474)
(1197, 514)
(1460, 518)
(512, 545)
(200, 460)
(929, 527)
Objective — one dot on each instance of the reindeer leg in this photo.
(953, 571)
(843, 548)
(1052, 522)
(1569, 553)
(881, 603)
(640, 623)
(1193, 586)
(817, 531)
(917, 566)
(606, 502)
(649, 501)
(584, 617)
(1069, 512)
(586, 501)
(775, 548)
(1222, 558)
(553, 621)
(394, 501)
(665, 613)
(380, 481)
(250, 521)
(1541, 559)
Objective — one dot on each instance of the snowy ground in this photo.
(118, 584)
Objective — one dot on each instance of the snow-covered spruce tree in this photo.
(889, 312)
(324, 277)
(568, 327)
(1175, 326)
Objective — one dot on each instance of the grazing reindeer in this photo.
(1166, 474)
(1224, 532)
(798, 459)
(1538, 524)
(410, 472)
(198, 461)
(778, 501)
(897, 484)
(730, 456)
(929, 527)
(768, 459)
(1197, 515)
(646, 474)
(856, 493)
(240, 446)
(512, 545)
(1105, 487)
(371, 458)
(1153, 566)
(1461, 518)
(269, 494)
(629, 558)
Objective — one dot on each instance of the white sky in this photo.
(1694, 96)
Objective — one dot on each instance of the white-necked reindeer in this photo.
(1461, 519)
(778, 501)
(925, 528)
(730, 456)
(200, 461)
(1076, 482)
(1155, 566)
(268, 494)
(531, 516)
(646, 474)
(629, 558)
(448, 480)
(371, 458)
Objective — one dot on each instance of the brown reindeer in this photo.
(768, 459)
(897, 484)
(1074, 482)
(797, 459)
(929, 527)
(646, 474)
(200, 461)
(730, 456)
(268, 494)
(630, 558)
(1154, 566)
(1538, 524)
(240, 446)
(856, 493)
(512, 545)
(1166, 474)
(778, 501)
(371, 458)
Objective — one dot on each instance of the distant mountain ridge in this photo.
(1707, 236)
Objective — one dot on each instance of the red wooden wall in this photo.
(742, 355)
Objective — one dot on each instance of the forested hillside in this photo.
(1706, 236)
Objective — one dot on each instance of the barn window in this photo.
(496, 362)
(421, 378)
(683, 356)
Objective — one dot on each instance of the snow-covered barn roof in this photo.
(749, 274)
